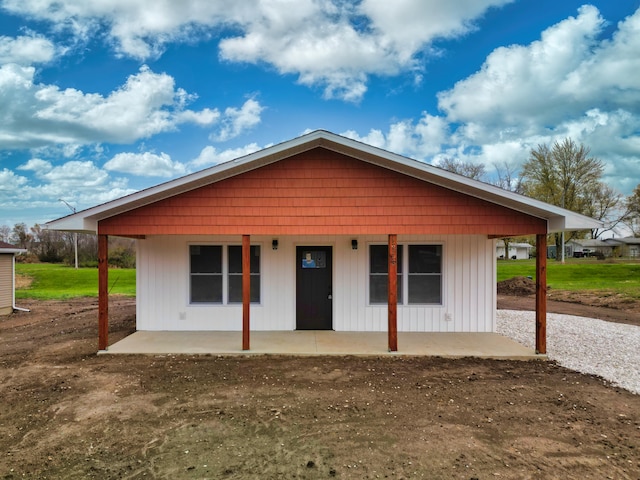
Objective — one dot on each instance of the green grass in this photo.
(55, 281)
(580, 274)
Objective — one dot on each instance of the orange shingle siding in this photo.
(321, 192)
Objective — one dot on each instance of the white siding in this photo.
(468, 286)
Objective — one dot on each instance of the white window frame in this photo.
(404, 277)
(225, 273)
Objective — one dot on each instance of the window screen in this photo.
(235, 273)
(379, 274)
(205, 273)
(425, 274)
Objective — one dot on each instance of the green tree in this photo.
(565, 175)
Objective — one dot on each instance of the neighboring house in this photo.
(8, 253)
(310, 233)
(517, 251)
(588, 247)
(625, 247)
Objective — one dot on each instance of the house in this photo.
(517, 251)
(8, 253)
(626, 246)
(320, 232)
(587, 247)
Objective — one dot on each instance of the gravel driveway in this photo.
(609, 350)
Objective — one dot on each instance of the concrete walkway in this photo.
(484, 345)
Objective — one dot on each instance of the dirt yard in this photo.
(68, 413)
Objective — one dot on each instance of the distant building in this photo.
(7, 277)
(625, 247)
(517, 251)
(588, 247)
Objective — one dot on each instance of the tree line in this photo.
(52, 246)
(565, 175)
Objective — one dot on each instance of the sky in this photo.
(102, 98)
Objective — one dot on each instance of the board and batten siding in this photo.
(6, 284)
(469, 285)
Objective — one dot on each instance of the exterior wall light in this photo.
(354, 244)
(274, 243)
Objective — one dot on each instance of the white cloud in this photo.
(332, 44)
(421, 140)
(9, 181)
(37, 165)
(26, 50)
(237, 120)
(33, 115)
(145, 164)
(210, 156)
(561, 76)
(81, 183)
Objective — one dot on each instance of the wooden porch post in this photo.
(103, 292)
(246, 289)
(541, 293)
(393, 293)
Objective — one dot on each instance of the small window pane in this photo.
(235, 258)
(206, 258)
(378, 288)
(206, 288)
(378, 261)
(235, 273)
(235, 289)
(425, 258)
(425, 289)
(379, 258)
(378, 274)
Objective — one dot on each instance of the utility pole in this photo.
(75, 234)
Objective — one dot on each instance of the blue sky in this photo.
(99, 99)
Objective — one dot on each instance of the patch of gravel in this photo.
(609, 350)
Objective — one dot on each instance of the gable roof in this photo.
(8, 248)
(557, 218)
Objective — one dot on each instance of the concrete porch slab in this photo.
(483, 345)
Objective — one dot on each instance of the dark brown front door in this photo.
(314, 294)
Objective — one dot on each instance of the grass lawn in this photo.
(55, 281)
(579, 274)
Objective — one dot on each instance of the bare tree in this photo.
(509, 178)
(475, 171)
(633, 209)
(5, 233)
(607, 205)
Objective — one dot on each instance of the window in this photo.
(422, 274)
(206, 273)
(217, 278)
(235, 273)
(379, 274)
(425, 274)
